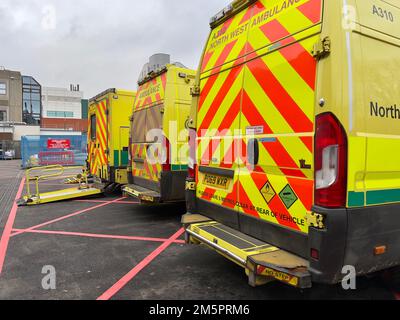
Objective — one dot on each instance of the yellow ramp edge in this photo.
(60, 195)
(143, 194)
(261, 261)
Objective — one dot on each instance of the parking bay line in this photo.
(5, 238)
(104, 201)
(138, 268)
(66, 217)
(100, 236)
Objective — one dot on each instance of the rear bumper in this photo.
(170, 188)
(349, 237)
(262, 262)
(112, 174)
(118, 175)
(142, 194)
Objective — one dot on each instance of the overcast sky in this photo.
(100, 44)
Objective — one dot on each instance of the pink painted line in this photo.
(128, 202)
(5, 238)
(136, 270)
(52, 184)
(91, 201)
(65, 217)
(104, 201)
(99, 236)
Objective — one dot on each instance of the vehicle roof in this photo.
(112, 91)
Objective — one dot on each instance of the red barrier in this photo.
(66, 158)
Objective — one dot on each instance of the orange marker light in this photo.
(380, 250)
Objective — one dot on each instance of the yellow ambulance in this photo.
(295, 129)
(159, 135)
(108, 136)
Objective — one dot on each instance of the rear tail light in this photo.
(192, 154)
(192, 172)
(166, 166)
(327, 175)
(330, 162)
(315, 254)
(130, 151)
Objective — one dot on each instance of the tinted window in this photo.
(93, 127)
(139, 127)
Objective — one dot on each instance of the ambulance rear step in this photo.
(262, 262)
(143, 194)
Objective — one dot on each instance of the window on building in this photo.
(32, 101)
(3, 88)
(3, 115)
(60, 114)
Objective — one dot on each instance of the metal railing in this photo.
(54, 172)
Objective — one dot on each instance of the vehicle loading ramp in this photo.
(60, 195)
(262, 262)
(143, 194)
(40, 174)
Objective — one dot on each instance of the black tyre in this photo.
(393, 278)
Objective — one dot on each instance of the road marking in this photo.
(100, 236)
(66, 217)
(136, 270)
(5, 238)
(104, 201)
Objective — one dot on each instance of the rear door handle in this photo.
(253, 152)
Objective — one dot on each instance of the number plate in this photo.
(281, 276)
(217, 181)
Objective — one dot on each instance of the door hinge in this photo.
(315, 220)
(195, 91)
(322, 48)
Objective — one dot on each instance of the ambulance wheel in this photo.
(393, 278)
(109, 189)
(113, 189)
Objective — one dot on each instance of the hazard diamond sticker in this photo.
(268, 192)
(288, 196)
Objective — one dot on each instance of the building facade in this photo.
(63, 109)
(10, 96)
(20, 109)
(31, 101)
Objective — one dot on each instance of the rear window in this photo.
(93, 127)
(144, 121)
(139, 126)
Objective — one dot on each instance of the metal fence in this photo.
(53, 150)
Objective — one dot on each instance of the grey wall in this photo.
(12, 101)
